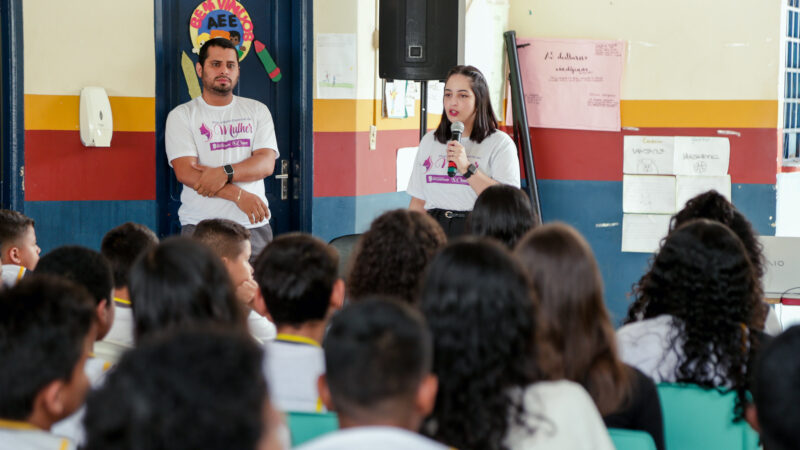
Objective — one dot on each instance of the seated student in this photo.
(482, 313)
(231, 242)
(694, 309)
(379, 382)
(297, 277)
(89, 269)
(121, 246)
(578, 342)
(712, 205)
(776, 415)
(185, 390)
(179, 283)
(18, 250)
(391, 256)
(502, 212)
(46, 334)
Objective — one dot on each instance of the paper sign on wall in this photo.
(687, 187)
(648, 194)
(648, 155)
(405, 163)
(642, 233)
(704, 156)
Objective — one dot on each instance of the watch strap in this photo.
(470, 170)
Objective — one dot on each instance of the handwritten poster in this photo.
(642, 233)
(648, 155)
(648, 194)
(570, 83)
(336, 65)
(704, 156)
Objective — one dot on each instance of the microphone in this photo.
(456, 128)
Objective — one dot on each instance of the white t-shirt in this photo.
(564, 417)
(647, 345)
(11, 274)
(292, 370)
(496, 157)
(260, 327)
(219, 135)
(119, 338)
(12, 438)
(369, 438)
(72, 426)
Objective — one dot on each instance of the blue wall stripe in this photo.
(338, 216)
(85, 222)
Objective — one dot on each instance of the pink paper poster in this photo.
(571, 83)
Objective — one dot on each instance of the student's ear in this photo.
(105, 317)
(426, 395)
(12, 256)
(260, 306)
(49, 402)
(751, 416)
(325, 392)
(337, 295)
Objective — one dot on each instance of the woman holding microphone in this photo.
(467, 142)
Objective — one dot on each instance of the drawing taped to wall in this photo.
(221, 18)
(336, 65)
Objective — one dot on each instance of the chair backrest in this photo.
(305, 426)
(698, 418)
(631, 439)
(345, 245)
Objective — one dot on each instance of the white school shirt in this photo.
(11, 274)
(219, 135)
(72, 426)
(647, 345)
(369, 438)
(260, 327)
(496, 157)
(292, 366)
(120, 337)
(23, 436)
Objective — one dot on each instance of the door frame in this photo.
(12, 195)
(301, 187)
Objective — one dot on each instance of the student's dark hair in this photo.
(391, 257)
(216, 42)
(377, 353)
(502, 212)
(187, 389)
(776, 392)
(181, 282)
(296, 273)
(703, 277)
(81, 265)
(12, 226)
(122, 245)
(485, 121)
(235, 33)
(224, 237)
(577, 342)
(481, 311)
(44, 321)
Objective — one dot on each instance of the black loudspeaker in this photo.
(420, 39)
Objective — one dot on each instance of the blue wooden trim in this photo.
(12, 116)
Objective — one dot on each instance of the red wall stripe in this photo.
(334, 164)
(59, 168)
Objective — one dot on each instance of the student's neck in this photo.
(217, 99)
(40, 420)
(314, 330)
(409, 423)
(122, 293)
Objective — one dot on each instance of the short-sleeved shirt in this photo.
(386, 438)
(292, 368)
(219, 135)
(19, 436)
(495, 156)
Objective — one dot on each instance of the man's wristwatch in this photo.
(470, 171)
(228, 171)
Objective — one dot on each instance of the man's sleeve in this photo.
(178, 138)
(264, 135)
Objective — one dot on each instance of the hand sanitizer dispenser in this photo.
(97, 124)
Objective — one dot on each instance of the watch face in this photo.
(228, 169)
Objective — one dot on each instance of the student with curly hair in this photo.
(503, 212)
(712, 205)
(578, 340)
(481, 312)
(392, 255)
(694, 310)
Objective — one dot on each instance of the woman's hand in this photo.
(457, 154)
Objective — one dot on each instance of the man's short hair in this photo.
(122, 245)
(376, 354)
(81, 265)
(190, 389)
(216, 42)
(224, 237)
(776, 392)
(13, 226)
(296, 273)
(44, 322)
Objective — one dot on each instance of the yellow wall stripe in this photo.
(61, 112)
(356, 115)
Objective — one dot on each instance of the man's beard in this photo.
(218, 88)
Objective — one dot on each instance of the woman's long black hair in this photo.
(485, 121)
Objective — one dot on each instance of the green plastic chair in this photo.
(305, 426)
(698, 418)
(631, 439)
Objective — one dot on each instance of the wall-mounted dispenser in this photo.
(97, 125)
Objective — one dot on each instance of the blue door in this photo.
(284, 28)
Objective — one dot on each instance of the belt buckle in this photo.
(448, 214)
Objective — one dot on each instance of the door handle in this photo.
(284, 177)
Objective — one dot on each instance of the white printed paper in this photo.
(394, 99)
(688, 187)
(648, 155)
(648, 194)
(705, 156)
(435, 97)
(405, 162)
(642, 233)
(336, 65)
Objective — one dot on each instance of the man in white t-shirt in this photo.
(221, 147)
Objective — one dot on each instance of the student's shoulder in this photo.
(20, 439)
(358, 438)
